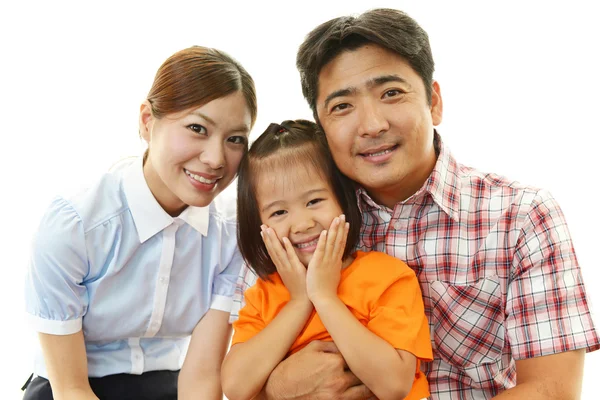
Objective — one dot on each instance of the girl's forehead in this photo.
(279, 179)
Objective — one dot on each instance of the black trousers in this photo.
(154, 385)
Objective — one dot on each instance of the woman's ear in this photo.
(146, 121)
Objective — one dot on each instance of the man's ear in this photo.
(437, 106)
(146, 121)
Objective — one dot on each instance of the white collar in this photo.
(148, 216)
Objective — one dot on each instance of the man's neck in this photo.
(411, 183)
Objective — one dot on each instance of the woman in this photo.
(122, 274)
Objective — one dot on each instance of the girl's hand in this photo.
(289, 267)
(324, 269)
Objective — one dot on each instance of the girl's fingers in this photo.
(291, 253)
(274, 248)
(338, 246)
(344, 238)
(332, 234)
(320, 250)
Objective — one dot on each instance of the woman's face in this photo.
(194, 154)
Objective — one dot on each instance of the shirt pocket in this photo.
(467, 326)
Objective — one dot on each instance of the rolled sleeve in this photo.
(547, 308)
(224, 283)
(246, 279)
(56, 298)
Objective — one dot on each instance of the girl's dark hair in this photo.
(196, 76)
(296, 143)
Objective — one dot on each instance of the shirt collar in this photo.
(148, 216)
(443, 184)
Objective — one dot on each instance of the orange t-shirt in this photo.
(381, 291)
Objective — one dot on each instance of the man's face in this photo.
(378, 123)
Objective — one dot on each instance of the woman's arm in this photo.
(200, 376)
(388, 372)
(66, 362)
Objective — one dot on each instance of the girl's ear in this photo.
(146, 121)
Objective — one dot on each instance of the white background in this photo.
(520, 83)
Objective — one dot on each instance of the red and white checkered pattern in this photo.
(498, 272)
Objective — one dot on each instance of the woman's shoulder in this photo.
(93, 205)
(224, 208)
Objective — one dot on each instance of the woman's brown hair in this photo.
(296, 143)
(195, 76)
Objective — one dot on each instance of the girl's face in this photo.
(298, 204)
(193, 155)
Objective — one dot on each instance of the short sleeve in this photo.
(56, 298)
(250, 321)
(246, 279)
(225, 281)
(398, 316)
(547, 309)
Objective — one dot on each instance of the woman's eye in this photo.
(237, 139)
(340, 107)
(314, 201)
(197, 128)
(278, 213)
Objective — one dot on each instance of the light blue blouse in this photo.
(113, 262)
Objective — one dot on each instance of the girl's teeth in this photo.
(200, 178)
(307, 244)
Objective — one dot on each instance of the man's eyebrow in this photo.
(371, 83)
(380, 80)
(339, 93)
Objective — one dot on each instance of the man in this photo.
(501, 285)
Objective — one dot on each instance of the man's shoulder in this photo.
(489, 191)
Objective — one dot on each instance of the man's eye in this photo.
(197, 128)
(392, 93)
(340, 107)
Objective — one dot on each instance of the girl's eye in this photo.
(278, 213)
(237, 139)
(314, 201)
(199, 129)
(340, 107)
(392, 93)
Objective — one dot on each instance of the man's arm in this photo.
(317, 372)
(553, 377)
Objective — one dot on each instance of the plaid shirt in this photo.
(498, 273)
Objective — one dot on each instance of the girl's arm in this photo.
(200, 376)
(66, 362)
(387, 372)
(248, 365)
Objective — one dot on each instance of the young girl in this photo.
(122, 274)
(312, 286)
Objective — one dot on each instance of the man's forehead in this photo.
(365, 66)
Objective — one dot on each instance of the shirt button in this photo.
(397, 225)
(163, 279)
